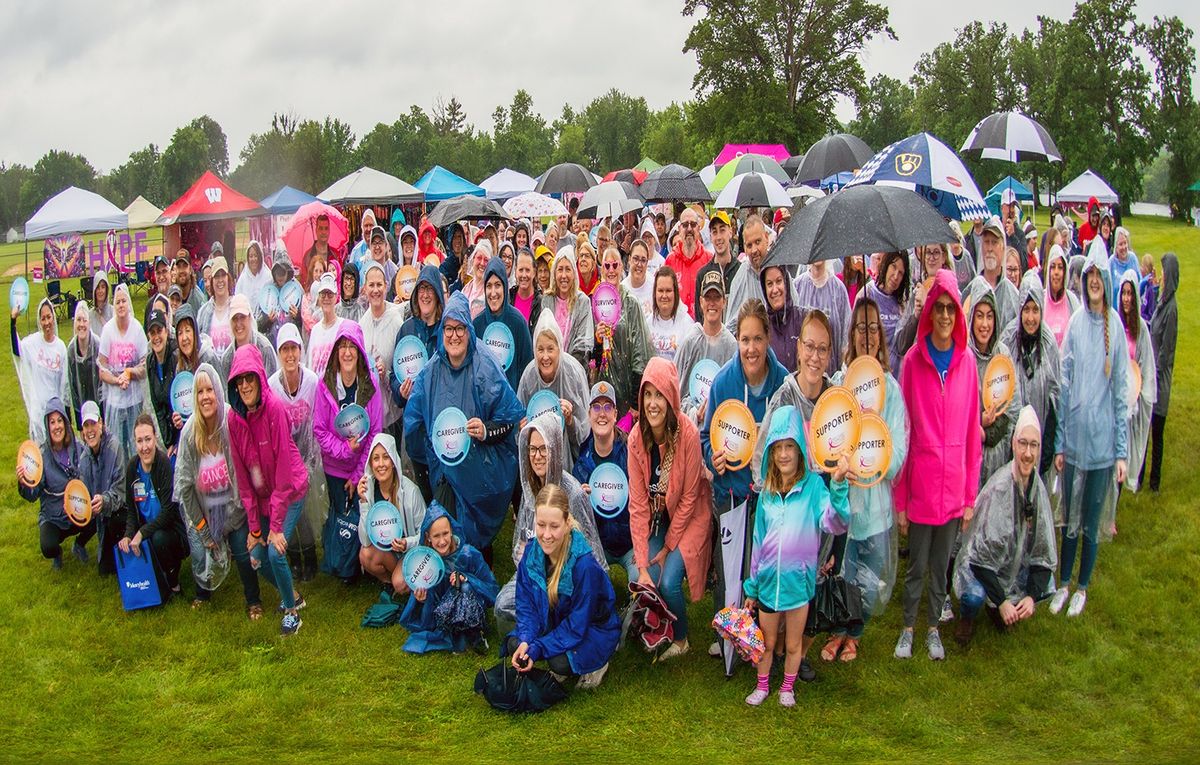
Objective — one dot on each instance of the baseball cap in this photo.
(174, 290)
(217, 264)
(156, 318)
(712, 281)
(288, 333)
(183, 255)
(995, 226)
(378, 231)
(720, 215)
(239, 304)
(161, 260)
(601, 390)
(89, 412)
(327, 283)
(1008, 197)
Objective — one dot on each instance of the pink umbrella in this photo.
(302, 232)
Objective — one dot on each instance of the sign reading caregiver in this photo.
(75, 255)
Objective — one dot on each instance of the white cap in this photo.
(288, 333)
(89, 412)
(327, 283)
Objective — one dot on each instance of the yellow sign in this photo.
(999, 383)
(733, 431)
(836, 424)
(871, 460)
(406, 280)
(77, 503)
(865, 379)
(30, 456)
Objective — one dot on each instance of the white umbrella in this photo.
(609, 199)
(534, 205)
(1011, 136)
(752, 190)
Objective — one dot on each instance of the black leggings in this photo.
(51, 537)
(1158, 423)
(559, 665)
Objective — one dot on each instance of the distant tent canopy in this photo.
(142, 213)
(1086, 186)
(367, 185)
(287, 201)
(439, 183)
(210, 198)
(732, 151)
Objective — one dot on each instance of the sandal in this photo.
(197, 604)
(849, 650)
(254, 612)
(831, 649)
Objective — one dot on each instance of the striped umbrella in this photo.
(927, 166)
(1011, 136)
(752, 190)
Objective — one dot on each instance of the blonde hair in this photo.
(774, 481)
(553, 496)
(205, 442)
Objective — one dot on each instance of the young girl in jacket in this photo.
(793, 509)
(1091, 443)
(349, 378)
(565, 601)
(669, 498)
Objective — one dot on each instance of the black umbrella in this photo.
(675, 183)
(840, 153)
(856, 221)
(792, 164)
(466, 207)
(565, 178)
(1011, 136)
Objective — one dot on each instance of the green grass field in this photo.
(82, 679)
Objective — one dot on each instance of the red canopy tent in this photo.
(209, 199)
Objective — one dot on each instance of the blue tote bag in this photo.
(137, 576)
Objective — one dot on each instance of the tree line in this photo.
(1112, 90)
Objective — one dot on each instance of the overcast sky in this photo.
(105, 79)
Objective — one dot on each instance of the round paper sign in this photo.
(701, 379)
(543, 403)
(352, 422)
(999, 382)
(873, 457)
(409, 358)
(836, 422)
(1135, 384)
(290, 295)
(268, 300)
(734, 431)
(406, 281)
(610, 490)
(384, 524)
(865, 379)
(77, 502)
(30, 456)
(423, 568)
(498, 339)
(181, 394)
(18, 295)
(606, 304)
(449, 436)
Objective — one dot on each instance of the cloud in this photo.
(105, 79)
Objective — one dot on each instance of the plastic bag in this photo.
(836, 605)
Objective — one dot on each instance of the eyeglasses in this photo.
(863, 328)
(640, 259)
(539, 451)
(1025, 445)
(603, 407)
(821, 351)
(454, 330)
(688, 224)
(946, 309)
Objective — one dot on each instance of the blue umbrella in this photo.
(287, 201)
(927, 166)
(836, 181)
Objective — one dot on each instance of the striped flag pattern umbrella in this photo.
(927, 166)
(1011, 136)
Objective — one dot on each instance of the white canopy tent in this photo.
(369, 186)
(142, 213)
(506, 184)
(75, 211)
(1086, 186)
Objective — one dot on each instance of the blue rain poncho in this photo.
(483, 482)
(509, 317)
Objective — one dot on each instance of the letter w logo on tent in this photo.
(213, 194)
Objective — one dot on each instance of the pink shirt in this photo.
(1057, 316)
(524, 305)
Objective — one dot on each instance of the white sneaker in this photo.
(592, 680)
(787, 699)
(904, 645)
(675, 649)
(947, 612)
(1059, 600)
(757, 697)
(714, 650)
(1078, 601)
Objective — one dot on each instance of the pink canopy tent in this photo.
(776, 151)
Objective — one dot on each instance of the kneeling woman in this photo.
(207, 494)
(383, 482)
(465, 570)
(793, 509)
(669, 498)
(153, 513)
(566, 614)
(61, 457)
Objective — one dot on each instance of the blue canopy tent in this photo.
(439, 183)
(1024, 195)
(287, 201)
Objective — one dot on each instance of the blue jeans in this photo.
(624, 561)
(862, 563)
(669, 581)
(120, 422)
(1095, 489)
(276, 569)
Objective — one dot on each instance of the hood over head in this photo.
(496, 270)
(435, 512)
(786, 423)
(978, 292)
(102, 276)
(219, 391)
(280, 259)
(247, 359)
(350, 269)
(944, 281)
(458, 309)
(56, 406)
(550, 429)
(1170, 278)
(1097, 259)
(663, 375)
(547, 325)
(398, 217)
(352, 331)
(262, 258)
(433, 277)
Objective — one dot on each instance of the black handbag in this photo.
(508, 690)
(836, 605)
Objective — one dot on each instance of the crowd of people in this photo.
(991, 506)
